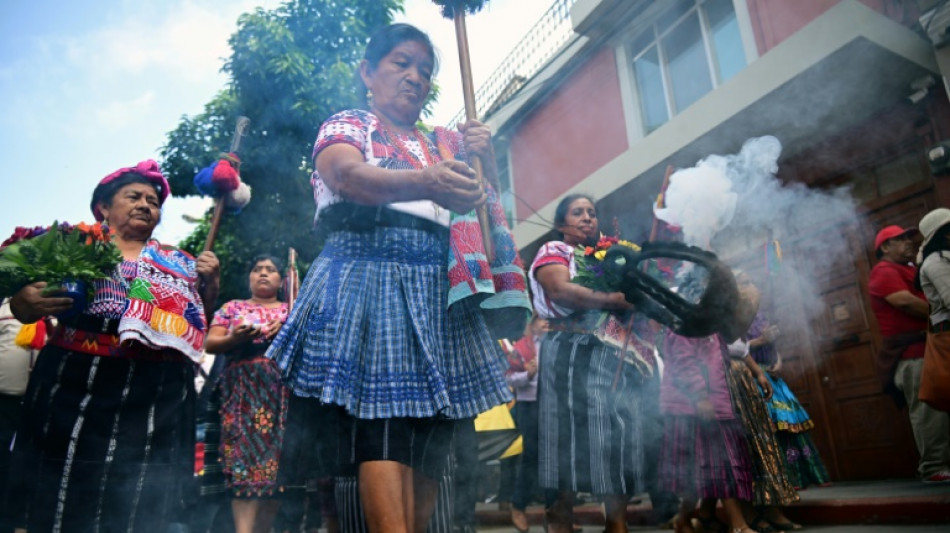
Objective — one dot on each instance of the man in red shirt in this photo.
(902, 312)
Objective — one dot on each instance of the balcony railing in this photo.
(540, 44)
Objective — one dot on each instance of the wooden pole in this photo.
(291, 277)
(215, 223)
(468, 92)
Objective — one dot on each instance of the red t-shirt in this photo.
(885, 279)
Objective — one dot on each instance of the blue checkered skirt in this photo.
(370, 332)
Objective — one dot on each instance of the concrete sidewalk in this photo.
(882, 503)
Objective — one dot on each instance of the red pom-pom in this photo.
(39, 339)
(225, 177)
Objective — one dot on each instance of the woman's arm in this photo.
(450, 184)
(555, 279)
(30, 304)
(219, 340)
(759, 376)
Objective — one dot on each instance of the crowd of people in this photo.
(351, 406)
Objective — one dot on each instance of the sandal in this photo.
(763, 525)
(785, 526)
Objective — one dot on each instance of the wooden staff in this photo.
(291, 281)
(468, 92)
(239, 129)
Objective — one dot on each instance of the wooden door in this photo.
(859, 430)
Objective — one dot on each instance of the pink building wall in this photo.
(773, 21)
(578, 129)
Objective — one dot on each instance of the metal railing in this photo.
(538, 46)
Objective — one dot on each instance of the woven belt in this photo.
(107, 345)
(346, 216)
(940, 327)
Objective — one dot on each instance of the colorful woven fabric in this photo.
(252, 406)
(770, 484)
(803, 462)
(591, 414)
(499, 287)
(705, 459)
(164, 309)
(370, 332)
(104, 444)
(625, 333)
(786, 412)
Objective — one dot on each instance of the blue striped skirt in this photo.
(370, 332)
(590, 409)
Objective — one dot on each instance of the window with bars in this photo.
(691, 48)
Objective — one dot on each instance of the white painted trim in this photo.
(628, 95)
(744, 20)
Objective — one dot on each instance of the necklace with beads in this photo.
(409, 155)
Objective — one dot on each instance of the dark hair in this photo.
(560, 214)
(278, 264)
(388, 37)
(103, 194)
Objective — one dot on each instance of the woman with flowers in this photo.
(252, 400)
(106, 441)
(593, 363)
(392, 324)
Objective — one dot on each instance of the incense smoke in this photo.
(735, 204)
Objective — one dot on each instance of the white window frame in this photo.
(636, 128)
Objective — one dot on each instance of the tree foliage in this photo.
(290, 68)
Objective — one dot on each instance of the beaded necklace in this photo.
(409, 155)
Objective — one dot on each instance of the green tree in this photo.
(290, 68)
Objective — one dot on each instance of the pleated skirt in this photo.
(589, 405)
(105, 444)
(370, 332)
(705, 459)
(770, 480)
(786, 412)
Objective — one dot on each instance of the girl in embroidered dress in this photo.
(391, 330)
(589, 393)
(107, 439)
(252, 400)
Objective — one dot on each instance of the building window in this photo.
(690, 49)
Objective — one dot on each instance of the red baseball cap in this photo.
(890, 232)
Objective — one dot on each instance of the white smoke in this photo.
(739, 198)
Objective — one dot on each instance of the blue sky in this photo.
(88, 87)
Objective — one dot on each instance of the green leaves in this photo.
(56, 256)
(290, 68)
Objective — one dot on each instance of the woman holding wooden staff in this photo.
(395, 323)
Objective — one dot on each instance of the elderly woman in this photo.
(590, 387)
(389, 325)
(106, 441)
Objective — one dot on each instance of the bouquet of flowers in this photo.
(60, 254)
(591, 270)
